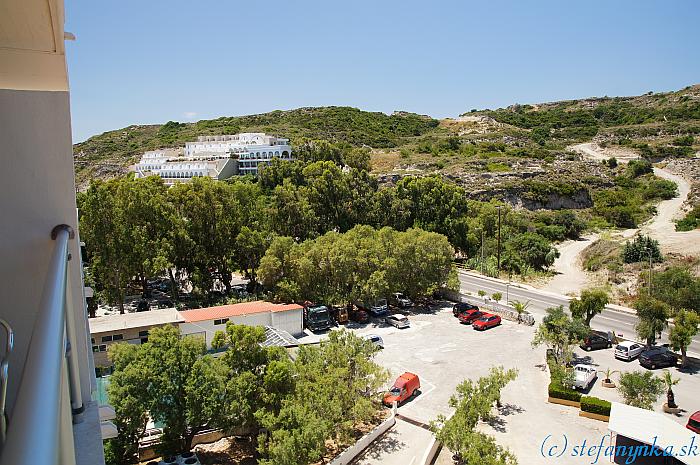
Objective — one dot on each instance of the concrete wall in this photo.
(349, 454)
(291, 321)
(37, 192)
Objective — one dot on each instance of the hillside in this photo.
(110, 153)
(485, 149)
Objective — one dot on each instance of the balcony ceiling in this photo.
(32, 52)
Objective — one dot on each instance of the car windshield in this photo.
(395, 391)
(319, 315)
(582, 369)
(694, 423)
(381, 303)
(484, 319)
(621, 348)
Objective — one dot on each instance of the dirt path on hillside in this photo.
(662, 226)
(571, 278)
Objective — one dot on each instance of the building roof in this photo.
(107, 323)
(279, 337)
(647, 426)
(243, 308)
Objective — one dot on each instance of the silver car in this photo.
(628, 350)
(398, 321)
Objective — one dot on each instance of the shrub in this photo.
(636, 168)
(559, 391)
(639, 249)
(691, 220)
(496, 296)
(594, 405)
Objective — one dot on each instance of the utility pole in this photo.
(649, 253)
(482, 251)
(498, 252)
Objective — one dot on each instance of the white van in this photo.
(628, 350)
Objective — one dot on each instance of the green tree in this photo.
(172, 361)
(669, 382)
(250, 248)
(677, 286)
(128, 394)
(589, 304)
(684, 329)
(653, 318)
(104, 229)
(560, 333)
(473, 402)
(533, 249)
(520, 308)
(640, 249)
(640, 389)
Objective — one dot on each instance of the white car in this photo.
(398, 320)
(628, 350)
(375, 339)
(401, 300)
(584, 375)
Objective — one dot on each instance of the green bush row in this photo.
(559, 391)
(594, 405)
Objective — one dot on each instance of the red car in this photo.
(694, 422)
(468, 316)
(486, 321)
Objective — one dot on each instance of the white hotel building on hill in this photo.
(218, 157)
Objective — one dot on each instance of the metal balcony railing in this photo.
(40, 431)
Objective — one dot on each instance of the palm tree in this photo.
(670, 381)
(608, 374)
(520, 307)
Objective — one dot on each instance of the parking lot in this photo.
(443, 353)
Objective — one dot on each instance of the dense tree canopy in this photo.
(363, 264)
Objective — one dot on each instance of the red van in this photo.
(406, 386)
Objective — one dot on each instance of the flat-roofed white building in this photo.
(207, 321)
(218, 157)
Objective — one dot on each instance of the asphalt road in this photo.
(611, 319)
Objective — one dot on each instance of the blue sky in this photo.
(139, 62)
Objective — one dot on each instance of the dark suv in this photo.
(462, 307)
(595, 341)
(657, 357)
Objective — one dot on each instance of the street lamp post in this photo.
(498, 252)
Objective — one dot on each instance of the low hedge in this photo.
(594, 405)
(559, 391)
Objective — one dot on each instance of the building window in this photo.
(92, 339)
(143, 333)
(112, 337)
(220, 321)
(100, 348)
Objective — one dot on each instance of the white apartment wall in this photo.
(37, 192)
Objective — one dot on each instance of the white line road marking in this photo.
(412, 460)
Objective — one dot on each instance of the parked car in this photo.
(469, 316)
(398, 321)
(584, 375)
(406, 386)
(628, 350)
(657, 357)
(462, 307)
(487, 321)
(595, 341)
(401, 300)
(375, 339)
(694, 422)
(378, 308)
(358, 315)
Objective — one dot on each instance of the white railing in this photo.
(40, 429)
